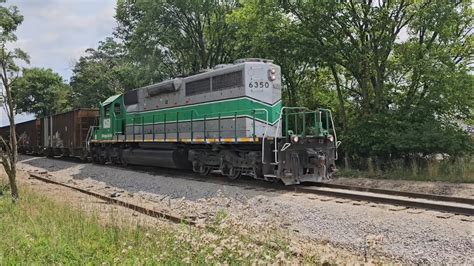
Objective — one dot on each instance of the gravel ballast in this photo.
(406, 237)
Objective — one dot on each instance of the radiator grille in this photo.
(198, 87)
(130, 97)
(227, 81)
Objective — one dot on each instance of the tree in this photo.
(10, 18)
(400, 83)
(171, 38)
(41, 92)
(103, 72)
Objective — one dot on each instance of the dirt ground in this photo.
(464, 190)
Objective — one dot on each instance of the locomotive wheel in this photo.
(205, 171)
(202, 169)
(231, 172)
(234, 174)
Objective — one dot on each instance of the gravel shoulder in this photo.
(371, 232)
(465, 190)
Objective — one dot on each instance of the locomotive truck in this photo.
(229, 119)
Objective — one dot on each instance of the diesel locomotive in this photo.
(229, 119)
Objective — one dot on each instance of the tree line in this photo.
(397, 74)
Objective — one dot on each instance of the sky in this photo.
(55, 33)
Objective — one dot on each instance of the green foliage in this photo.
(102, 73)
(41, 92)
(455, 170)
(403, 95)
(393, 136)
(170, 38)
(10, 19)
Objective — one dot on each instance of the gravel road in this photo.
(374, 231)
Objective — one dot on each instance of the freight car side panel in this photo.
(65, 133)
(28, 134)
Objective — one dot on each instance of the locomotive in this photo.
(229, 119)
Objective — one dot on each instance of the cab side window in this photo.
(117, 108)
(107, 111)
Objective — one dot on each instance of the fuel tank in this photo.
(176, 158)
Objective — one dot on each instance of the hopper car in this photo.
(63, 134)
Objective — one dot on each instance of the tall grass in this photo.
(40, 231)
(456, 171)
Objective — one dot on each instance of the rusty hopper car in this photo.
(28, 133)
(57, 135)
(29, 136)
(65, 134)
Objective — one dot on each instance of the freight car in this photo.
(63, 134)
(27, 136)
(229, 119)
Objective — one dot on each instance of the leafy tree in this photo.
(171, 38)
(408, 83)
(40, 91)
(102, 73)
(10, 18)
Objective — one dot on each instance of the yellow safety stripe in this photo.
(186, 140)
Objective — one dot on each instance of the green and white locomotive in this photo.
(228, 119)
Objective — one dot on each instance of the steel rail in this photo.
(398, 193)
(410, 199)
(382, 198)
(137, 208)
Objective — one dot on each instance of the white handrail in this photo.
(275, 151)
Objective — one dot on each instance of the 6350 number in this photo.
(259, 85)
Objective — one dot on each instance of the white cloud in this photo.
(55, 33)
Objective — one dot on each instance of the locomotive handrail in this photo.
(333, 131)
(199, 117)
(275, 151)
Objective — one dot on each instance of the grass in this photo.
(459, 171)
(40, 231)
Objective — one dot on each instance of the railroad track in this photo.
(150, 212)
(447, 204)
(455, 205)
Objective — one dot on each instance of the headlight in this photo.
(295, 139)
(272, 74)
(331, 138)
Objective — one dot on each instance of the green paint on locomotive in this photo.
(114, 118)
(112, 112)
